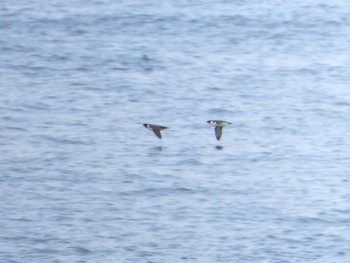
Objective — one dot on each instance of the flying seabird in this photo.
(218, 127)
(155, 128)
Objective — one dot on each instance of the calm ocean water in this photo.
(81, 180)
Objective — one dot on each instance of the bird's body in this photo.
(156, 129)
(218, 127)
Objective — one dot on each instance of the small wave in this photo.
(81, 250)
(67, 140)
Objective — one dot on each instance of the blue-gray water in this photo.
(83, 181)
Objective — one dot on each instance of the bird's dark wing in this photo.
(218, 132)
(157, 133)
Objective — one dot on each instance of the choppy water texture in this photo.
(83, 181)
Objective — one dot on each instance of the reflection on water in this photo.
(219, 147)
(157, 148)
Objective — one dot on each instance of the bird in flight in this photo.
(218, 127)
(156, 129)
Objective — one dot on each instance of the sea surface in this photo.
(81, 179)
